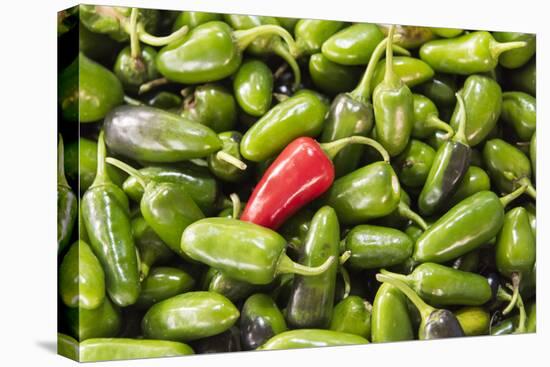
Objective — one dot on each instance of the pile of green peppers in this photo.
(169, 120)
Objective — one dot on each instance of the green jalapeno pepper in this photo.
(352, 315)
(113, 349)
(520, 56)
(81, 278)
(163, 283)
(449, 166)
(193, 19)
(152, 249)
(165, 206)
(189, 316)
(442, 285)
(312, 298)
(426, 119)
(508, 167)
(260, 320)
(235, 290)
(67, 346)
(353, 45)
(87, 90)
(393, 108)
(106, 217)
(483, 100)
(390, 316)
(440, 89)
(410, 70)
(374, 247)
(213, 106)
(221, 168)
(309, 338)
(435, 323)
(101, 322)
(413, 164)
(524, 79)
(474, 320)
(256, 254)
(153, 135)
(475, 52)
(519, 111)
(187, 61)
(253, 87)
(310, 34)
(466, 226)
(300, 115)
(475, 180)
(198, 183)
(330, 77)
(409, 37)
(66, 203)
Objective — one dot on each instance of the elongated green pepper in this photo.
(113, 349)
(520, 56)
(353, 45)
(390, 316)
(253, 87)
(189, 316)
(393, 107)
(106, 217)
(260, 320)
(352, 315)
(450, 164)
(442, 285)
(475, 52)
(163, 283)
(469, 224)
(475, 180)
(519, 111)
(309, 338)
(256, 254)
(312, 298)
(66, 203)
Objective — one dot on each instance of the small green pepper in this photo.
(413, 164)
(426, 119)
(163, 283)
(330, 77)
(310, 34)
(220, 168)
(475, 180)
(353, 45)
(81, 278)
(189, 316)
(253, 87)
(516, 58)
(300, 115)
(193, 19)
(474, 320)
(256, 254)
(113, 349)
(66, 203)
(152, 249)
(260, 320)
(390, 316)
(475, 52)
(519, 111)
(352, 315)
(309, 338)
(214, 106)
(101, 322)
(312, 298)
(442, 285)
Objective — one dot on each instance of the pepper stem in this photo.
(516, 279)
(522, 316)
(132, 101)
(101, 177)
(525, 181)
(134, 39)
(497, 48)
(236, 203)
(424, 309)
(347, 281)
(228, 158)
(404, 278)
(344, 257)
(246, 36)
(433, 121)
(146, 87)
(280, 49)
(286, 265)
(390, 78)
(129, 170)
(332, 148)
(61, 179)
(151, 40)
(460, 134)
(406, 212)
(505, 200)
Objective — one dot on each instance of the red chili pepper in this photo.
(302, 172)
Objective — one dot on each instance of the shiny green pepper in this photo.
(193, 19)
(66, 203)
(310, 34)
(352, 315)
(165, 101)
(410, 70)
(134, 71)
(113, 349)
(163, 283)
(330, 77)
(426, 119)
(519, 111)
(353, 45)
(235, 290)
(390, 316)
(253, 87)
(475, 180)
(308, 338)
(214, 106)
(260, 320)
(474, 320)
(517, 57)
(413, 164)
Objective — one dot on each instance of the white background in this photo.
(28, 181)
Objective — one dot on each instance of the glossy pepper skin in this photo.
(330, 77)
(189, 316)
(310, 34)
(426, 119)
(352, 315)
(163, 283)
(298, 116)
(81, 278)
(87, 90)
(214, 106)
(256, 255)
(390, 316)
(519, 111)
(223, 170)
(260, 320)
(413, 164)
(473, 320)
(308, 338)
(112, 349)
(106, 217)
(374, 247)
(253, 87)
(441, 285)
(66, 203)
(410, 70)
(475, 52)
(101, 322)
(449, 166)
(235, 290)
(135, 71)
(152, 250)
(440, 89)
(312, 298)
(483, 100)
(353, 45)
(514, 59)
(193, 19)
(475, 180)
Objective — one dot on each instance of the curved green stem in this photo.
(132, 101)
(525, 181)
(246, 36)
(134, 39)
(344, 257)
(505, 200)
(332, 148)
(129, 170)
(424, 309)
(433, 121)
(101, 177)
(390, 77)
(516, 278)
(406, 212)
(497, 48)
(347, 281)
(521, 329)
(460, 134)
(61, 179)
(228, 158)
(280, 49)
(236, 203)
(502, 295)
(151, 40)
(286, 265)
(404, 278)
(146, 87)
